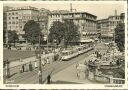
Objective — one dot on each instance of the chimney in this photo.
(115, 12)
(71, 7)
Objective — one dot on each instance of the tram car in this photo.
(68, 54)
(81, 49)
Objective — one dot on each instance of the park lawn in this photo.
(12, 55)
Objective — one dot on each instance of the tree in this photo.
(66, 31)
(12, 37)
(33, 32)
(120, 36)
(71, 32)
(57, 32)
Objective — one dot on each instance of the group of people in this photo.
(88, 65)
(26, 67)
(82, 68)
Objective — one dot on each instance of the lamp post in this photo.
(40, 66)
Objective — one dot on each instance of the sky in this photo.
(100, 9)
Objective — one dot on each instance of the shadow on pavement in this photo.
(64, 82)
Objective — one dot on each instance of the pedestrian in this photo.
(35, 64)
(47, 61)
(49, 79)
(30, 66)
(118, 62)
(20, 60)
(23, 68)
(85, 63)
(43, 63)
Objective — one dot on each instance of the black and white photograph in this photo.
(64, 43)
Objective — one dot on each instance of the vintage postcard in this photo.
(64, 44)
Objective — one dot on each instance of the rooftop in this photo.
(22, 8)
(65, 13)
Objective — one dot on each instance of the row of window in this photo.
(16, 22)
(12, 27)
(13, 13)
(115, 18)
(110, 24)
(24, 17)
(92, 28)
(12, 18)
(13, 22)
(115, 22)
(72, 15)
(77, 21)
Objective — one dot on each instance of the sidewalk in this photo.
(69, 76)
(32, 77)
(28, 60)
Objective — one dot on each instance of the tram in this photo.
(68, 54)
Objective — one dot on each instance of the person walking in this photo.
(23, 68)
(49, 79)
(35, 63)
(30, 66)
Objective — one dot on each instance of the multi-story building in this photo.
(5, 9)
(122, 17)
(107, 27)
(86, 23)
(43, 20)
(17, 17)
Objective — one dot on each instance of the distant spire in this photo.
(115, 12)
(71, 7)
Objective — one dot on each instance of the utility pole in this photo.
(40, 66)
(47, 39)
(47, 29)
(71, 7)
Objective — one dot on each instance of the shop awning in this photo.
(87, 40)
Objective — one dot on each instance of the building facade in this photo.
(14, 19)
(86, 23)
(17, 17)
(107, 27)
(43, 20)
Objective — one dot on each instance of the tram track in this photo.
(32, 77)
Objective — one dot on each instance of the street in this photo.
(53, 45)
(55, 67)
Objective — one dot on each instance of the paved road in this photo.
(69, 75)
(32, 77)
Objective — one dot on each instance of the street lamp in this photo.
(40, 66)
